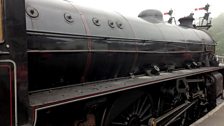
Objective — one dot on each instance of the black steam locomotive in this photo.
(62, 64)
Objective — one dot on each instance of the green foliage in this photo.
(217, 32)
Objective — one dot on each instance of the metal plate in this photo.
(59, 96)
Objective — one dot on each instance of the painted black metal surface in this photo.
(54, 97)
(72, 44)
(5, 95)
(16, 45)
(54, 43)
(60, 61)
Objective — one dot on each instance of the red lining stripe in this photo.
(11, 92)
(89, 45)
(34, 118)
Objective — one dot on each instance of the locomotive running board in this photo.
(59, 96)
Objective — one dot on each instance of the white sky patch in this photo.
(134, 7)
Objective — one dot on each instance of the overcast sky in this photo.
(134, 7)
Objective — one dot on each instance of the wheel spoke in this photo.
(145, 110)
(146, 117)
(119, 123)
(138, 104)
(143, 104)
(134, 109)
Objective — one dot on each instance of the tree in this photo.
(217, 32)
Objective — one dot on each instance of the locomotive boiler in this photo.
(69, 44)
(66, 65)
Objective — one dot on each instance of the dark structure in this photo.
(71, 46)
(59, 59)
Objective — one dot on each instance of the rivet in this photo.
(96, 21)
(111, 24)
(32, 12)
(7, 46)
(119, 25)
(68, 17)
